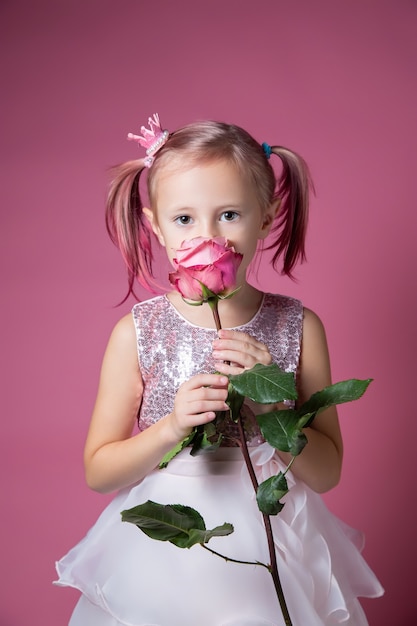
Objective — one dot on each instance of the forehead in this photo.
(203, 183)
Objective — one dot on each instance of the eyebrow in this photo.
(222, 207)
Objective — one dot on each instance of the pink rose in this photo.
(211, 263)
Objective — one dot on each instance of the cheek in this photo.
(169, 243)
(160, 238)
(159, 233)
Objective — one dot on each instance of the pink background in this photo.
(334, 80)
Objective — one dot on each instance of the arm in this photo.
(319, 464)
(113, 458)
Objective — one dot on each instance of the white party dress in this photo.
(128, 579)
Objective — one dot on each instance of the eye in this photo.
(183, 220)
(229, 216)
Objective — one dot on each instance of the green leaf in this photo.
(227, 296)
(212, 298)
(339, 393)
(344, 391)
(193, 302)
(204, 440)
(208, 295)
(282, 430)
(200, 536)
(163, 522)
(265, 384)
(234, 400)
(181, 525)
(177, 449)
(270, 492)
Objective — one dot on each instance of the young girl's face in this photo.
(209, 200)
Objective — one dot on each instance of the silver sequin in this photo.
(171, 350)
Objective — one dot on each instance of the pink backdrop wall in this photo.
(334, 80)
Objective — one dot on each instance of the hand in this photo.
(235, 351)
(197, 401)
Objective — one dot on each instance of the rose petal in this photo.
(211, 262)
(228, 265)
(210, 276)
(186, 284)
(200, 251)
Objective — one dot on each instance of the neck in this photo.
(235, 311)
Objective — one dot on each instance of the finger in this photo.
(228, 349)
(207, 394)
(226, 367)
(245, 347)
(245, 359)
(200, 400)
(237, 335)
(205, 380)
(199, 407)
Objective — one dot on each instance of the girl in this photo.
(211, 180)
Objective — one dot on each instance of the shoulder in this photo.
(123, 328)
(123, 335)
(314, 350)
(312, 325)
(120, 358)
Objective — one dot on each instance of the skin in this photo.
(211, 200)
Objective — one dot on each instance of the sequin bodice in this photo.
(171, 350)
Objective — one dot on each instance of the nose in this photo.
(209, 230)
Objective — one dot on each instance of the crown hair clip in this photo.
(152, 138)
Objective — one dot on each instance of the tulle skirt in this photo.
(128, 579)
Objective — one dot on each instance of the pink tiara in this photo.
(152, 138)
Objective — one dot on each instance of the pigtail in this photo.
(291, 225)
(127, 225)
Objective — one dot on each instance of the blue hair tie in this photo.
(267, 149)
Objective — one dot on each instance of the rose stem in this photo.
(215, 310)
(214, 307)
(268, 528)
(267, 522)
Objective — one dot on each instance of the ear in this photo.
(149, 214)
(269, 217)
